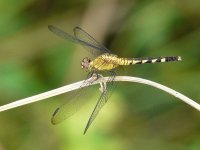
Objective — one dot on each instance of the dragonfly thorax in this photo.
(85, 64)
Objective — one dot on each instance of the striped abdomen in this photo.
(132, 61)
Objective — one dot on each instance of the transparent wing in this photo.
(81, 37)
(73, 104)
(95, 47)
(102, 100)
(62, 33)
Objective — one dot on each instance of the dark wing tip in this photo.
(86, 128)
(51, 27)
(53, 121)
(77, 28)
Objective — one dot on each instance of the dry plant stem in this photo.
(77, 85)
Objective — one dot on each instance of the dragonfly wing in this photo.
(74, 104)
(89, 42)
(66, 110)
(62, 33)
(102, 100)
(82, 38)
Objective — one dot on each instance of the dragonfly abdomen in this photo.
(132, 61)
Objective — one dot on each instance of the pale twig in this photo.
(77, 85)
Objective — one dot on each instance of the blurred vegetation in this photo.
(33, 60)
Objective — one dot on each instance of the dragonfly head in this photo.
(85, 64)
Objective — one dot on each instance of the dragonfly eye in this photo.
(85, 63)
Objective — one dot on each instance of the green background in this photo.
(33, 60)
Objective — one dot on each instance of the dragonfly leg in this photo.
(102, 88)
(102, 83)
(94, 76)
(91, 77)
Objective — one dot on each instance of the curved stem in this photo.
(77, 85)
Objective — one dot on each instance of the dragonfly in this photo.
(104, 61)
